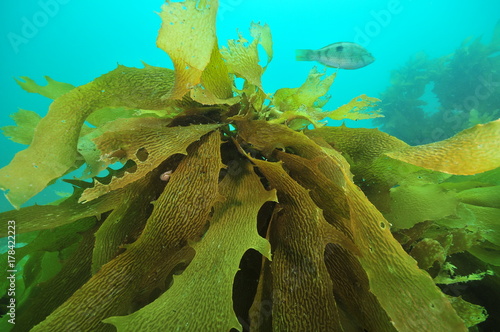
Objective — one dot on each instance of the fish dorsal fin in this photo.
(337, 44)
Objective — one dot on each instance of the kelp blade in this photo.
(175, 219)
(405, 292)
(53, 151)
(208, 280)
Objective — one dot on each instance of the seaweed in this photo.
(464, 84)
(219, 186)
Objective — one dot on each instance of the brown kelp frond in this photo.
(147, 262)
(297, 260)
(127, 220)
(208, 280)
(39, 217)
(148, 146)
(365, 226)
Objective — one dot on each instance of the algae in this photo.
(463, 84)
(315, 207)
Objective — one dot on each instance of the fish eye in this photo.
(339, 48)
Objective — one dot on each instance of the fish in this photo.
(343, 55)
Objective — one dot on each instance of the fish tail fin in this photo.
(303, 55)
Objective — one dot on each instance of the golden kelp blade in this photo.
(304, 103)
(263, 33)
(216, 85)
(242, 56)
(359, 108)
(187, 34)
(474, 150)
(315, 87)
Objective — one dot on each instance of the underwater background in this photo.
(76, 41)
(437, 73)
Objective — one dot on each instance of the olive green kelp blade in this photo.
(38, 217)
(364, 148)
(23, 131)
(46, 296)
(52, 90)
(53, 150)
(127, 220)
(40, 245)
(201, 298)
(126, 280)
(405, 292)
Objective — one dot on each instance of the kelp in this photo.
(299, 107)
(471, 151)
(52, 152)
(50, 294)
(188, 36)
(208, 280)
(130, 274)
(364, 224)
(211, 175)
(52, 90)
(39, 217)
(463, 84)
(434, 215)
(24, 130)
(147, 146)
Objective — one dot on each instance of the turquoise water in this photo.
(75, 41)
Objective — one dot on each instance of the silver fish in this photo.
(344, 55)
